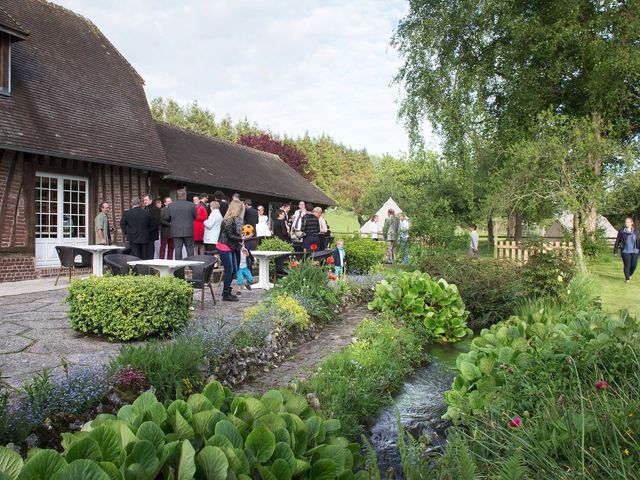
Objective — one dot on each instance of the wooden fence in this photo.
(512, 250)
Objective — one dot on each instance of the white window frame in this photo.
(45, 246)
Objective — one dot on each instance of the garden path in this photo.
(306, 357)
(35, 334)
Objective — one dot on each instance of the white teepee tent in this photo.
(382, 216)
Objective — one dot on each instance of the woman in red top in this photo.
(198, 228)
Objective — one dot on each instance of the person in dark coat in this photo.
(311, 230)
(281, 231)
(628, 242)
(181, 214)
(154, 227)
(135, 224)
(280, 227)
(166, 242)
(221, 198)
(250, 218)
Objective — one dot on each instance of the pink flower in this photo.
(602, 384)
(516, 422)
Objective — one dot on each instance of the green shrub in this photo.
(309, 285)
(547, 274)
(569, 381)
(212, 435)
(284, 311)
(129, 307)
(363, 254)
(434, 307)
(173, 368)
(274, 244)
(354, 384)
(491, 288)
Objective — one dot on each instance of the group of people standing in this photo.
(395, 231)
(168, 229)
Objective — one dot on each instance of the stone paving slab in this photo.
(35, 332)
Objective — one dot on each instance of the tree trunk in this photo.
(591, 223)
(517, 228)
(490, 232)
(511, 224)
(577, 242)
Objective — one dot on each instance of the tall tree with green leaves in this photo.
(486, 70)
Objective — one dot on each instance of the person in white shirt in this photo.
(296, 226)
(263, 227)
(473, 244)
(403, 236)
(374, 228)
(212, 228)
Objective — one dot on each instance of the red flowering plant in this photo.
(129, 382)
(515, 422)
(313, 247)
(331, 260)
(602, 385)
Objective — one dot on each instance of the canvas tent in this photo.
(382, 215)
(564, 224)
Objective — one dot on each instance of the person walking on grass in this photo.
(390, 232)
(473, 243)
(628, 241)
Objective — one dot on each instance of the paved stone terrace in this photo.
(35, 333)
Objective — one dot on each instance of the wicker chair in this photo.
(201, 275)
(67, 257)
(117, 263)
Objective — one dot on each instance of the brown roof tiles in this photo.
(73, 94)
(202, 160)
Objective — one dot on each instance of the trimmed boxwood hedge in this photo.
(129, 307)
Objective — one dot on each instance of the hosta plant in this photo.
(212, 435)
(425, 303)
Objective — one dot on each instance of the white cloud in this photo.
(290, 66)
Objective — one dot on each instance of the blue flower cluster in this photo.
(79, 389)
(214, 337)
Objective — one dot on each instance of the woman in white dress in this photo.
(263, 228)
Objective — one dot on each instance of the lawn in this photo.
(615, 293)
(342, 221)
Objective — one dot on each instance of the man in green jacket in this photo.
(390, 232)
(103, 231)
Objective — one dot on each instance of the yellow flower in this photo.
(626, 451)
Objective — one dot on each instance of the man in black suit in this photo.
(180, 215)
(220, 197)
(251, 218)
(135, 224)
(154, 227)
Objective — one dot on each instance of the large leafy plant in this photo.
(212, 435)
(424, 303)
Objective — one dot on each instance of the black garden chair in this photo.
(67, 257)
(117, 263)
(201, 275)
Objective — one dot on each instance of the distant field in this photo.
(342, 221)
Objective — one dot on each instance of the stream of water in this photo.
(420, 406)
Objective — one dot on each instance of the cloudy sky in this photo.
(289, 65)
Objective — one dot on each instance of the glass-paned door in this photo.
(62, 215)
